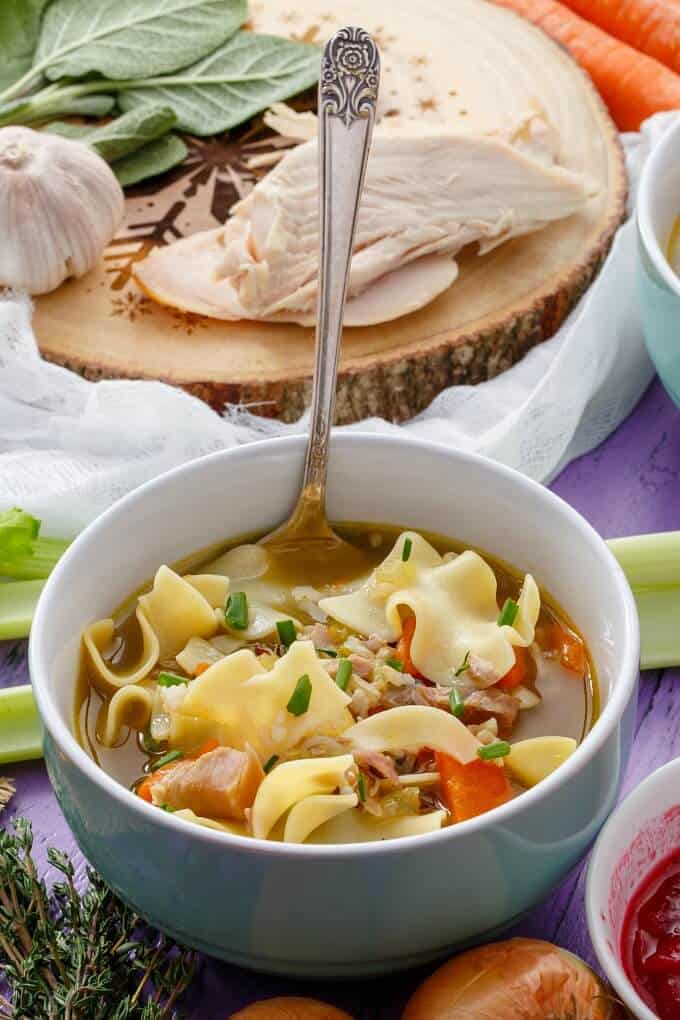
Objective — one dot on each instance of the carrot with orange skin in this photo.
(633, 85)
(201, 667)
(650, 26)
(519, 672)
(403, 650)
(474, 789)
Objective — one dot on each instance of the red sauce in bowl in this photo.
(650, 942)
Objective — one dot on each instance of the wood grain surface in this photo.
(501, 305)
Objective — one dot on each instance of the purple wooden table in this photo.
(629, 485)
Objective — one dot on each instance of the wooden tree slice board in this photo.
(458, 62)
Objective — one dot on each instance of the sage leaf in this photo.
(67, 130)
(132, 38)
(19, 29)
(242, 77)
(149, 161)
(130, 132)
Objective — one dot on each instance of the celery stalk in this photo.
(17, 604)
(20, 727)
(652, 565)
(37, 562)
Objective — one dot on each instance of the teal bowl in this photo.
(658, 286)
(362, 909)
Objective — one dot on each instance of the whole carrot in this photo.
(633, 85)
(651, 26)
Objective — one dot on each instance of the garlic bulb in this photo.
(60, 205)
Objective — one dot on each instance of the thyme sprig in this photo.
(67, 955)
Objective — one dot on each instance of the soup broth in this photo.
(437, 688)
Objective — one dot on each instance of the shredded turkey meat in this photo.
(219, 784)
(492, 704)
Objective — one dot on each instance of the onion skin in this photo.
(520, 979)
(290, 1009)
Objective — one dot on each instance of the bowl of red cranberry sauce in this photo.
(633, 897)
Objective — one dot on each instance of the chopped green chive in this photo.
(498, 750)
(395, 664)
(236, 610)
(165, 760)
(361, 787)
(464, 666)
(343, 674)
(406, 551)
(299, 699)
(270, 763)
(456, 703)
(171, 680)
(330, 652)
(150, 745)
(166, 807)
(508, 613)
(287, 632)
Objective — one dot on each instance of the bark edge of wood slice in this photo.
(502, 305)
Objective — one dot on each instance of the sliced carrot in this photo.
(650, 26)
(519, 672)
(471, 790)
(201, 667)
(403, 650)
(210, 745)
(633, 85)
(572, 652)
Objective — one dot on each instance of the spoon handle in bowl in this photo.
(348, 92)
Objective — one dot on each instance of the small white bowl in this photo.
(643, 830)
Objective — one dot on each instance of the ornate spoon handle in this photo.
(348, 91)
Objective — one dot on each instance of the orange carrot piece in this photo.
(519, 672)
(201, 667)
(633, 85)
(403, 650)
(471, 790)
(650, 26)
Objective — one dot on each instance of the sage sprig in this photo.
(62, 58)
(64, 953)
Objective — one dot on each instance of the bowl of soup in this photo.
(633, 897)
(658, 222)
(336, 776)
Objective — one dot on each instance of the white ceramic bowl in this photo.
(346, 910)
(643, 830)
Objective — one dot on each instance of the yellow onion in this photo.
(521, 979)
(290, 1009)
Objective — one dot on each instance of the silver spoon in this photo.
(348, 92)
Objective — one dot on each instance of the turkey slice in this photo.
(427, 193)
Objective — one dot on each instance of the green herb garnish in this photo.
(395, 664)
(287, 632)
(508, 613)
(406, 550)
(270, 763)
(500, 749)
(330, 652)
(464, 666)
(456, 703)
(361, 787)
(166, 807)
(150, 745)
(342, 677)
(66, 950)
(299, 699)
(236, 610)
(171, 680)
(165, 760)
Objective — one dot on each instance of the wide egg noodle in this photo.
(312, 812)
(242, 563)
(358, 826)
(176, 612)
(232, 827)
(98, 637)
(262, 622)
(213, 587)
(412, 727)
(291, 782)
(129, 707)
(363, 610)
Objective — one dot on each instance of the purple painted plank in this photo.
(630, 484)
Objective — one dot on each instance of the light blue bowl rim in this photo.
(650, 241)
(603, 729)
